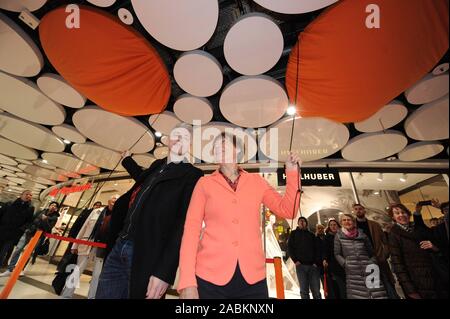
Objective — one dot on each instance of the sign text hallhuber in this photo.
(314, 177)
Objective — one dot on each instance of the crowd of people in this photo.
(355, 259)
(208, 227)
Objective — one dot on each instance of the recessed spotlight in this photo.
(44, 161)
(291, 110)
(403, 178)
(158, 134)
(392, 158)
(380, 177)
(115, 184)
(376, 193)
(67, 141)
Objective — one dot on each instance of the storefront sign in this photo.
(70, 190)
(314, 177)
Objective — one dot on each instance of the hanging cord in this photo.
(100, 185)
(299, 189)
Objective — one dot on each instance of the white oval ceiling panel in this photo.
(23, 98)
(253, 101)
(164, 122)
(203, 149)
(69, 133)
(70, 163)
(22, 161)
(20, 5)
(16, 180)
(294, 6)
(430, 121)
(314, 138)
(11, 168)
(56, 88)
(43, 164)
(45, 173)
(189, 108)
(441, 68)
(13, 149)
(420, 151)
(35, 186)
(102, 3)
(428, 89)
(4, 172)
(144, 160)
(36, 179)
(117, 132)
(19, 55)
(387, 117)
(253, 45)
(198, 73)
(98, 156)
(374, 146)
(165, 140)
(178, 24)
(29, 134)
(6, 160)
(125, 16)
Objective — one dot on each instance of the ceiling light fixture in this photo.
(380, 177)
(44, 161)
(67, 141)
(158, 134)
(291, 110)
(403, 178)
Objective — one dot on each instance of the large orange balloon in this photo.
(108, 62)
(348, 71)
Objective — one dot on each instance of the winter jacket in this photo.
(356, 256)
(15, 218)
(411, 264)
(328, 254)
(304, 247)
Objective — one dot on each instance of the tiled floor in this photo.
(36, 284)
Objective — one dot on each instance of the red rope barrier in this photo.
(76, 241)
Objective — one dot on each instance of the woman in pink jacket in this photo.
(225, 259)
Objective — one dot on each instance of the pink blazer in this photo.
(232, 228)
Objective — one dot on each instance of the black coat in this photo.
(304, 247)
(328, 254)
(15, 218)
(411, 264)
(44, 225)
(160, 223)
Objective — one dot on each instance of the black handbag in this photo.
(43, 248)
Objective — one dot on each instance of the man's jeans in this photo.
(309, 279)
(114, 280)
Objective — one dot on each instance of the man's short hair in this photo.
(357, 204)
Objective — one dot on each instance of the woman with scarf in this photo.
(353, 251)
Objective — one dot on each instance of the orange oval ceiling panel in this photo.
(108, 62)
(348, 71)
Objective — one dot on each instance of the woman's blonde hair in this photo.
(341, 216)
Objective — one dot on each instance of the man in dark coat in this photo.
(304, 250)
(15, 217)
(147, 225)
(44, 220)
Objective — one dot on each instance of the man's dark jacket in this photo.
(15, 217)
(160, 223)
